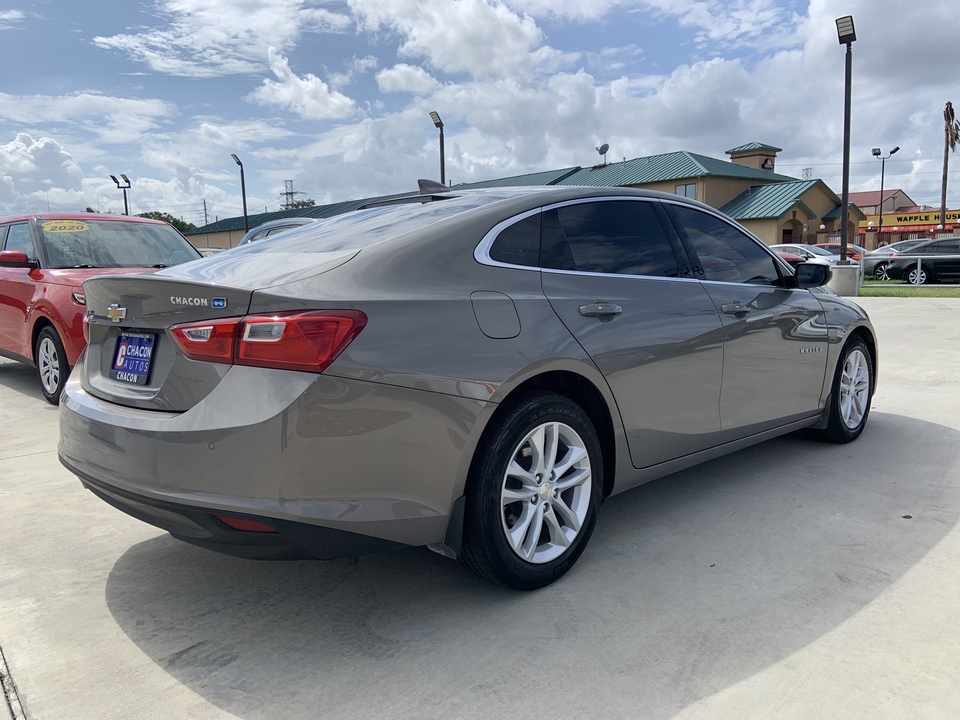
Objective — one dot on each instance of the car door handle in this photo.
(600, 309)
(734, 308)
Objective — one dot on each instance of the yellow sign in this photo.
(924, 217)
(64, 226)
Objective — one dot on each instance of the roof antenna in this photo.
(603, 151)
(428, 187)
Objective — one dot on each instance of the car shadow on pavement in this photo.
(691, 584)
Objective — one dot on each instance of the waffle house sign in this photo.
(894, 219)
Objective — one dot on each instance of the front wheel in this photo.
(534, 492)
(880, 273)
(851, 394)
(52, 366)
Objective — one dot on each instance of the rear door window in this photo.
(619, 237)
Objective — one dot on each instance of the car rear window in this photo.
(113, 243)
(364, 228)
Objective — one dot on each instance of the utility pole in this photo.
(205, 221)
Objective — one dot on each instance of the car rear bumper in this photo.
(290, 541)
(362, 460)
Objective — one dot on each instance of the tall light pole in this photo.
(123, 186)
(883, 166)
(243, 192)
(439, 123)
(847, 35)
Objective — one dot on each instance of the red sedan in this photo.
(44, 260)
(854, 252)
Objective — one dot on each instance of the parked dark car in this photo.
(475, 374)
(875, 264)
(931, 261)
(45, 258)
(274, 227)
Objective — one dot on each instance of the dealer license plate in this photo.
(131, 362)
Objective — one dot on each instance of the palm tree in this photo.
(951, 137)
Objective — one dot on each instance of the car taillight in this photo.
(307, 341)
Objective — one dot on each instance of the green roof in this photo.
(314, 211)
(548, 177)
(769, 201)
(664, 168)
(751, 147)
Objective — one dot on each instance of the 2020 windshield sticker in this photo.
(65, 226)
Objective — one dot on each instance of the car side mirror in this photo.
(17, 259)
(811, 275)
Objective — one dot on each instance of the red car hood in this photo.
(75, 276)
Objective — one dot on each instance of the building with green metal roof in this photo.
(776, 208)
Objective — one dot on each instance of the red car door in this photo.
(17, 288)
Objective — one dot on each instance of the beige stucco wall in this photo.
(226, 239)
(719, 191)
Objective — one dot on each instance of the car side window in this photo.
(274, 231)
(18, 238)
(621, 237)
(947, 247)
(725, 253)
(519, 244)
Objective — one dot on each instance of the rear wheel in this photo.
(917, 276)
(851, 394)
(534, 493)
(52, 367)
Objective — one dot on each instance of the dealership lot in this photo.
(781, 580)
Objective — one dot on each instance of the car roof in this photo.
(80, 216)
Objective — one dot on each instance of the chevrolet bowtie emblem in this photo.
(116, 313)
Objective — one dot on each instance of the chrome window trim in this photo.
(482, 252)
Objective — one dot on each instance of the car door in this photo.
(948, 267)
(775, 337)
(17, 288)
(612, 275)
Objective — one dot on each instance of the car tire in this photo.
(917, 277)
(525, 529)
(52, 366)
(850, 395)
(880, 273)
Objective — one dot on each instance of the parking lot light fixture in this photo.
(439, 123)
(847, 34)
(125, 185)
(883, 166)
(243, 192)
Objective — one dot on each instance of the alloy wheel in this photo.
(48, 364)
(917, 277)
(545, 492)
(881, 272)
(854, 389)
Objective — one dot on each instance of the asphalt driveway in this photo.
(793, 579)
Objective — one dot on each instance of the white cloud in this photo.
(206, 38)
(356, 66)
(483, 38)
(8, 18)
(29, 167)
(406, 78)
(307, 96)
(110, 119)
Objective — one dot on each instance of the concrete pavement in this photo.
(790, 580)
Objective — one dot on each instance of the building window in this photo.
(689, 190)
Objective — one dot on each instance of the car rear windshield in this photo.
(113, 243)
(364, 228)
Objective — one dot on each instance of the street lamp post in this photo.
(439, 123)
(243, 192)
(847, 35)
(125, 185)
(883, 166)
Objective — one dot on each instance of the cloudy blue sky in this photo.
(335, 94)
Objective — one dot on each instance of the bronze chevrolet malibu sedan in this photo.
(475, 371)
